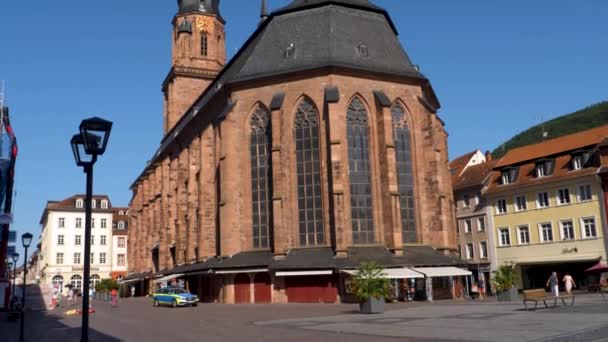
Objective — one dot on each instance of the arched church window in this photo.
(403, 149)
(310, 210)
(204, 44)
(260, 137)
(359, 172)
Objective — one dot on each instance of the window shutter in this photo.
(587, 158)
(550, 166)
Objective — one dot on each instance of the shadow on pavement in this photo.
(42, 325)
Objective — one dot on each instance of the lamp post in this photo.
(86, 146)
(15, 258)
(26, 239)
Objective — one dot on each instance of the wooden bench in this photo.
(540, 295)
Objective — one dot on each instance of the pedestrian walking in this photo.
(132, 291)
(553, 284)
(114, 296)
(569, 282)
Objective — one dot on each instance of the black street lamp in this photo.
(15, 258)
(26, 239)
(86, 146)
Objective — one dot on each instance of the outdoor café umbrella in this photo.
(599, 268)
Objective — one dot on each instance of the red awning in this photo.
(598, 268)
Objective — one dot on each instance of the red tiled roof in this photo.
(458, 164)
(555, 146)
(474, 175)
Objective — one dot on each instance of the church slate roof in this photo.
(352, 34)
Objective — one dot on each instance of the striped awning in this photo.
(394, 273)
(237, 271)
(437, 272)
(303, 273)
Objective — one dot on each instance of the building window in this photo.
(102, 258)
(567, 230)
(504, 237)
(102, 240)
(104, 223)
(508, 175)
(95, 279)
(92, 222)
(78, 222)
(542, 200)
(584, 193)
(466, 200)
(79, 203)
(563, 196)
(577, 162)
(76, 258)
(59, 259)
(520, 203)
(310, 206)
(122, 242)
(93, 204)
(121, 260)
(541, 170)
(481, 224)
(92, 240)
(468, 225)
(581, 159)
(359, 173)
(290, 51)
(470, 252)
(104, 204)
(204, 44)
(78, 240)
(92, 260)
(501, 206)
(58, 282)
(260, 137)
(523, 235)
(544, 168)
(62, 222)
(76, 282)
(60, 240)
(121, 225)
(403, 153)
(362, 50)
(546, 232)
(589, 230)
(483, 250)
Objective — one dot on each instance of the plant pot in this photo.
(510, 295)
(372, 306)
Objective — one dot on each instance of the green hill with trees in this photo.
(590, 117)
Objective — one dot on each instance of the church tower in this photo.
(199, 53)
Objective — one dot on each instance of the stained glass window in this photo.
(310, 210)
(359, 173)
(260, 136)
(401, 136)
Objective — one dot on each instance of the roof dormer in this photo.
(508, 175)
(544, 168)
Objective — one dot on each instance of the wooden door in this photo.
(242, 291)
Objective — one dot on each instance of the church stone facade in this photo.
(316, 147)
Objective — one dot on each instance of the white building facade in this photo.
(120, 241)
(62, 242)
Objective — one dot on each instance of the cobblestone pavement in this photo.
(472, 321)
(137, 320)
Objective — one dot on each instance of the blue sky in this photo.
(497, 68)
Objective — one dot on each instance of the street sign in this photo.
(6, 218)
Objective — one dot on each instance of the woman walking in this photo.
(569, 282)
(113, 294)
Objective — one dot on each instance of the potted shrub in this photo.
(104, 287)
(504, 283)
(371, 287)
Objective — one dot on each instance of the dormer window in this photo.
(581, 160)
(362, 50)
(290, 51)
(544, 168)
(104, 204)
(508, 175)
(79, 203)
(121, 225)
(121, 212)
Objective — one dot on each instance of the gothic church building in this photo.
(316, 147)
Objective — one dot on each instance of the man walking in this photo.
(553, 284)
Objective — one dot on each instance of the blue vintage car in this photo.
(174, 296)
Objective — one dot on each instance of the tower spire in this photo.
(263, 12)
